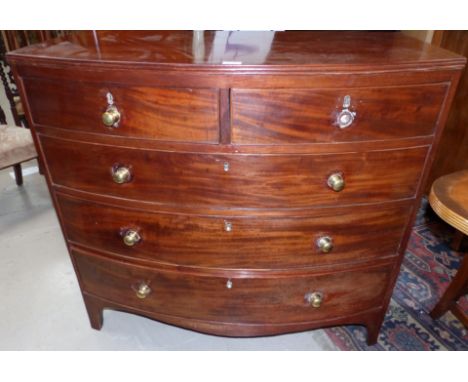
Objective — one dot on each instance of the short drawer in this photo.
(329, 236)
(253, 299)
(241, 181)
(279, 116)
(169, 114)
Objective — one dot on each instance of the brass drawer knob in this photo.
(121, 175)
(346, 117)
(143, 290)
(325, 244)
(314, 299)
(227, 226)
(111, 116)
(131, 237)
(336, 182)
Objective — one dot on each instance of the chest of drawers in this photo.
(237, 183)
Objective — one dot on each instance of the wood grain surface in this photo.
(253, 181)
(288, 51)
(281, 116)
(282, 241)
(172, 114)
(449, 199)
(250, 300)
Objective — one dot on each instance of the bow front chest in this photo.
(237, 183)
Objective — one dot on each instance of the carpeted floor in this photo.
(427, 269)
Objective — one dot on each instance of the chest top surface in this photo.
(239, 49)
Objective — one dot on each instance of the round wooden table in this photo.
(449, 199)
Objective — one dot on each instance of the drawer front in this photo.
(171, 114)
(307, 115)
(358, 233)
(243, 181)
(270, 299)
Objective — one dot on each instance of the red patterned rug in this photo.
(427, 269)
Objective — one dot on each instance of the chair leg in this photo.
(18, 174)
(40, 165)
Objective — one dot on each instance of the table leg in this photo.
(456, 289)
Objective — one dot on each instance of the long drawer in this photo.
(355, 234)
(170, 114)
(235, 181)
(271, 299)
(279, 116)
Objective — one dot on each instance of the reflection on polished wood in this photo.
(344, 49)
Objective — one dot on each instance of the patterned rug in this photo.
(427, 269)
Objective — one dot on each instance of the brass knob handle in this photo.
(325, 244)
(346, 117)
(314, 299)
(131, 237)
(143, 290)
(111, 116)
(121, 175)
(336, 182)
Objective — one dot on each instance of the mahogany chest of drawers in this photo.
(237, 183)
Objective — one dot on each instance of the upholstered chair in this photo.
(16, 147)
